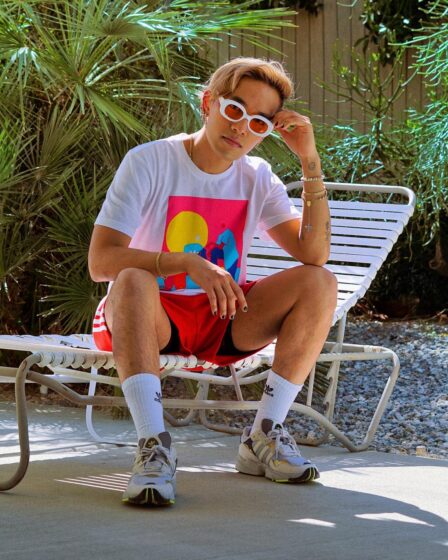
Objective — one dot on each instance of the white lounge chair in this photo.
(363, 233)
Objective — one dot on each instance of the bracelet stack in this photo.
(314, 196)
(158, 271)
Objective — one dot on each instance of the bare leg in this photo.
(297, 307)
(139, 325)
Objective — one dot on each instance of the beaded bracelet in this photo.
(158, 271)
(312, 179)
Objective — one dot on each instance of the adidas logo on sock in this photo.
(268, 390)
(158, 397)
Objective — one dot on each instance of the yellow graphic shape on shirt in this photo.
(186, 228)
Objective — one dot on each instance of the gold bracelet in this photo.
(158, 271)
(314, 195)
(321, 195)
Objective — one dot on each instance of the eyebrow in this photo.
(236, 98)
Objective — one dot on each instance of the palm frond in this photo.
(80, 84)
(17, 248)
(72, 300)
(71, 221)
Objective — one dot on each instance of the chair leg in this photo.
(201, 394)
(329, 404)
(330, 396)
(90, 421)
(22, 422)
(333, 373)
(340, 436)
(217, 427)
(202, 414)
(178, 422)
(379, 411)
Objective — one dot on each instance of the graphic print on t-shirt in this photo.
(211, 227)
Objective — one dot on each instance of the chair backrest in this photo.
(363, 234)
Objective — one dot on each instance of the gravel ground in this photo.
(416, 418)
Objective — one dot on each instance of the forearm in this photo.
(107, 264)
(315, 231)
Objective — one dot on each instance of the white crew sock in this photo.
(143, 394)
(278, 396)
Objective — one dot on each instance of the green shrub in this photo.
(81, 82)
(411, 153)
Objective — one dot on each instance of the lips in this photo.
(234, 143)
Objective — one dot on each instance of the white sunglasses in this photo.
(235, 112)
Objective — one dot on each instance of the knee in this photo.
(328, 280)
(135, 280)
(320, 284)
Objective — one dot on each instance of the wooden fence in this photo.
(308, 59)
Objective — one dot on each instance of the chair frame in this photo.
(68, 357)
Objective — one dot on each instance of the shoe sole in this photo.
(258, 469)
(149, 497)
(310, 475)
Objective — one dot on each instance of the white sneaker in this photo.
(272, 452)
(153, 479)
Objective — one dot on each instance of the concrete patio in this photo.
(366, 506)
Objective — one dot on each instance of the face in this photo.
(232, 140)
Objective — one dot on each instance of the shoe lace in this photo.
(153, 458)
(284, 442)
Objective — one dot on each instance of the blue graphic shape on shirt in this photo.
(193, 248)
(225, 252)
(231, 255)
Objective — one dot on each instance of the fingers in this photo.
(285, 119)
(224, 298)
(241, 298)
(223, 292)
(284, 124)
(213, 301)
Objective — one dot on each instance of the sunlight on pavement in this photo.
(317, 522)
(119, 481)
(392, 516)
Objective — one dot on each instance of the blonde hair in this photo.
(226, 78)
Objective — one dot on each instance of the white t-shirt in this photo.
(164, 202)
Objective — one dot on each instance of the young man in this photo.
(172, 239)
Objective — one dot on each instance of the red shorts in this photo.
(198, 332)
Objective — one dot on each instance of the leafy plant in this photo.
(350, 154)
(431, 128)
(311, 6)
(389, 22)
(81, 82)
(411, 153)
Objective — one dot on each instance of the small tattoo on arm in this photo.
(312, 166)
(327, 231)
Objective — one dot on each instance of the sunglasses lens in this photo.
(233, 112)
(258, 126)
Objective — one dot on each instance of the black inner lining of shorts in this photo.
(227, 348)
(173, 345)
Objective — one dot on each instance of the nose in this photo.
(241, 127)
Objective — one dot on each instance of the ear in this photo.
(207, 100)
